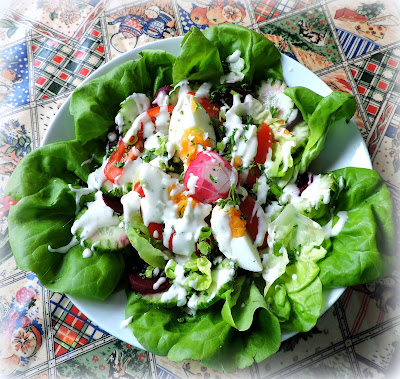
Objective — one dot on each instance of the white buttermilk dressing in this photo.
(203, 90)
(191, 184)
(87, 253)
(131, 205)
(186, 229)
(130, 172)
(330, 231)
(126, 322)
(236, 65)
(98, 215)
(316, 191)
(66, 248)
(159, 282)
(287, 155)
(177, 289)
(79, 192)
(97, 177)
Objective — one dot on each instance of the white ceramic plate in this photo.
(344, 147)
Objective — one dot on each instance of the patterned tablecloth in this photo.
(48, 47)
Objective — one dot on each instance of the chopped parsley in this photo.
(232, 198)
(274, 111)
(119, 164)
(213, 179)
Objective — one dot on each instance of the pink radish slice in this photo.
(215, 177)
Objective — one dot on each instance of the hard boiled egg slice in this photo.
(239, 249)
(190, 128)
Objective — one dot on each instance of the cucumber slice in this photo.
(131, 107)
(155, 301)
(271, 94)
(222, 280)
(107, 238)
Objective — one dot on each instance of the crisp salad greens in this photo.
(187, 184)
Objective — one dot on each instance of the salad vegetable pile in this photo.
(187, 183)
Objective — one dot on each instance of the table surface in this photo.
(48, 47)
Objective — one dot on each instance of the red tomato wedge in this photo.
(170, 240)
(247, 208)
(153, 112)
(265, 141)
(139, 189)
(121, 155)
(215, 177)
(210, 108)
(157, 229)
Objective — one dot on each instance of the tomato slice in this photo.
(121, 155)
(153, 112)
(211, 109)
(139, 189)
(156, 228)
(247, 208)
(171, 237)
(264, 143)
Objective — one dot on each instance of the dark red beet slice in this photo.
(303, 181)
(165, 89)
(144, 286)
(114, 204)
(227, 97)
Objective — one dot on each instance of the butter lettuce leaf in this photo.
(139, 237)
(43, 217)
(95, 104)
(363, 250)
(203, 55)
(320, 113)
(207, 336)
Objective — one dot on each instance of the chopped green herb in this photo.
(274, 111)
(213, 179)
(232, 198)
(119, 164)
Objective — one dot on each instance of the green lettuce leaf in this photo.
(95, 104)
(44, 219)
(206, 336)
(320, 113)
(140, 239)
(203, 55)
(262, 59)
(44, 215)
(363, 250)
(257, 334)
(198, 60)
(175, 334)
(59, 160)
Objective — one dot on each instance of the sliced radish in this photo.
(215, 177)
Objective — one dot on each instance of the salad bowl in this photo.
(344, 147)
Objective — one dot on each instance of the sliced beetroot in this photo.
(114, 203)
(144, 286)
(303, 181)
(227, 97)
(215, 177)
(165, 90)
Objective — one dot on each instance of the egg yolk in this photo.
(181, 200)
(189, 145)
(236, 223)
